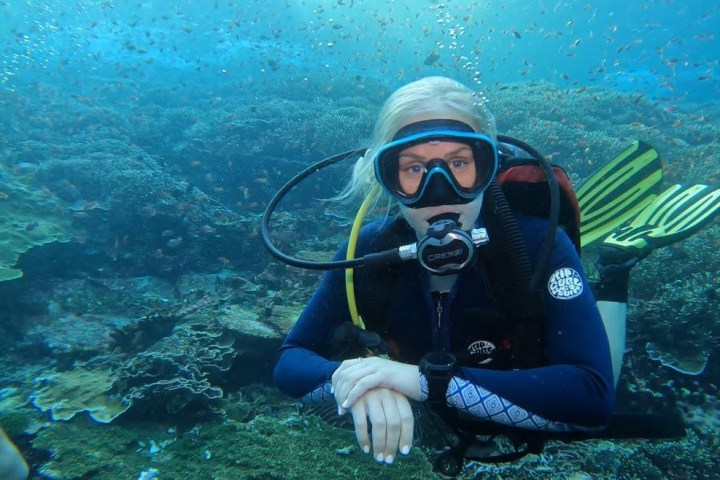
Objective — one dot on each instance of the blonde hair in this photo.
(424, 99)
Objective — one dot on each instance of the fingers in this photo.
(347, 376)
(359, 414)
(340, 376)
(407, 425)
(379, 420)
(352, 392)
(392, 422)
(392, 425)
(399, 424)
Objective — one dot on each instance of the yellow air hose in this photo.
(352, 243)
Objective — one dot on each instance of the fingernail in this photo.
(389, 459)
(405, 450)
(332, 390)
(379, 457)
(340, 410)
(366, 448)
(344, 404)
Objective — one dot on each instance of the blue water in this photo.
(662, 49)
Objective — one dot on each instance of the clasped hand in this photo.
(378, 389)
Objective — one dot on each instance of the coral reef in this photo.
(29, 217)
(264, 444)
(65, 394)
(177, 372)
(178, 357)
(676, 304)
(584, 127)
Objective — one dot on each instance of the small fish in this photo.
(175, 242)
(433, 58)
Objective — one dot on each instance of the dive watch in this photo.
(438, 368)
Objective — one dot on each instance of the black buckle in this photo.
(485, 449)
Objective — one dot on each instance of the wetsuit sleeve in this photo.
(303, 368)
(302, 365)
(576, 389)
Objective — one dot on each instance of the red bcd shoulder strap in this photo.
(526, 188)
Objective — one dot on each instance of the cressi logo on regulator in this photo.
(445, 255)
(445, 249)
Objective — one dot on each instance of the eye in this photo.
(414, 169)
(458, 163)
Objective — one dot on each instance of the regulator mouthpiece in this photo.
(446, 249)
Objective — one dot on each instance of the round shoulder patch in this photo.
(565, 284)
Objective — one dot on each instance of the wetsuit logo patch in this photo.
(565, 284)
(479, 349)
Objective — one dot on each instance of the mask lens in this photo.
(410, 174)
(486, 163)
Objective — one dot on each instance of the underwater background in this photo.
(140, 142)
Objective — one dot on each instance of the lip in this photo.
(432, 212)
(454, 216)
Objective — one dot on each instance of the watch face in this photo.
(440, 360)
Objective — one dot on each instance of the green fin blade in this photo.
(618, 191)
(674, 215)
(682, 212)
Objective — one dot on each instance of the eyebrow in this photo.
(450, 153)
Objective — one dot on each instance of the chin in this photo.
(419, 218)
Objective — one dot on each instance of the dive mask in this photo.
(438, 181)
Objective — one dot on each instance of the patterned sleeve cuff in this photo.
(486, 405)
(424, 388)
(320, 395)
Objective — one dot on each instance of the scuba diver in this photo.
(493, 325)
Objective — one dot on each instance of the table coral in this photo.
(29, 217)
(65, 394)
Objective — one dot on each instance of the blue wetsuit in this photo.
(574, 390)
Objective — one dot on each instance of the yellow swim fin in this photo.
(674, 215)
(618, 191)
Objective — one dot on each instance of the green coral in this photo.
(83, 449)
(245, 321)
(674, 303)
(292, 447)
(65, 394)
(29, 217)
